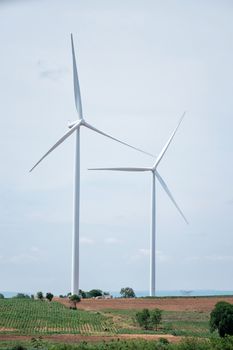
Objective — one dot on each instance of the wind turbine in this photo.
(75, 127)
(155, 175)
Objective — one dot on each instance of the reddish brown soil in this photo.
(203, 304)
(73, 338)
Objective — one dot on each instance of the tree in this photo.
(127, 292)
(82, 294)
(221, 318)
(95, 293)
(75, 299)
(49, 296)
(149, 319)
(1, 296)
(40, 295)
(143, 318)
(155, 318)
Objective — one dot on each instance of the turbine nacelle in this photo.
(71, 124)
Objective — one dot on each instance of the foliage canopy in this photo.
(127, 292)
(221, 318)
(149, 319)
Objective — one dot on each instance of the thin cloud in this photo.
(53, 74)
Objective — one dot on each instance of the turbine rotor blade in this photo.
(160, 156)
(77, 93)
(166, 189)
(122, 169)
(115, 139)
(62, 139)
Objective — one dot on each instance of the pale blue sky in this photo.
(141, 64)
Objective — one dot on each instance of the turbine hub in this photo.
(71, 124)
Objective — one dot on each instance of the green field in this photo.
(182, 323)
(29, 317)
(36, 318)
(22, 316)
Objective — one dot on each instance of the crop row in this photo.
(40, 317)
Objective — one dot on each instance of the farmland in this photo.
(19, 316)
(96, 320)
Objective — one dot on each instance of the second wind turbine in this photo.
(155, 175)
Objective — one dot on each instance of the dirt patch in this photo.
(76, 338)
(203, 304)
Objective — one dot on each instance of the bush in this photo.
(155, 318)
(143, 318)
(196, 344)
(149, 319)
(1, 296)
(221, 318)
(19, 347)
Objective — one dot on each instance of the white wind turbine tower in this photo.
(75, 127)
(155, 175)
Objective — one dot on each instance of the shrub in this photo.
(155, 318)
(143, 318)
(19, 347)
(149, 319)
(221, 318)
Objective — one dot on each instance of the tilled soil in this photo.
(76, 338)
(201, 304)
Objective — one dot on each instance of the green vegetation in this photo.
(182, 323)
(40, 295)
(149, 319)
(221, 318)
(94, 293)
(127, 293)
(74, 298)
(49, 296)
(21, 296)
(27, 316)
(162, 344)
